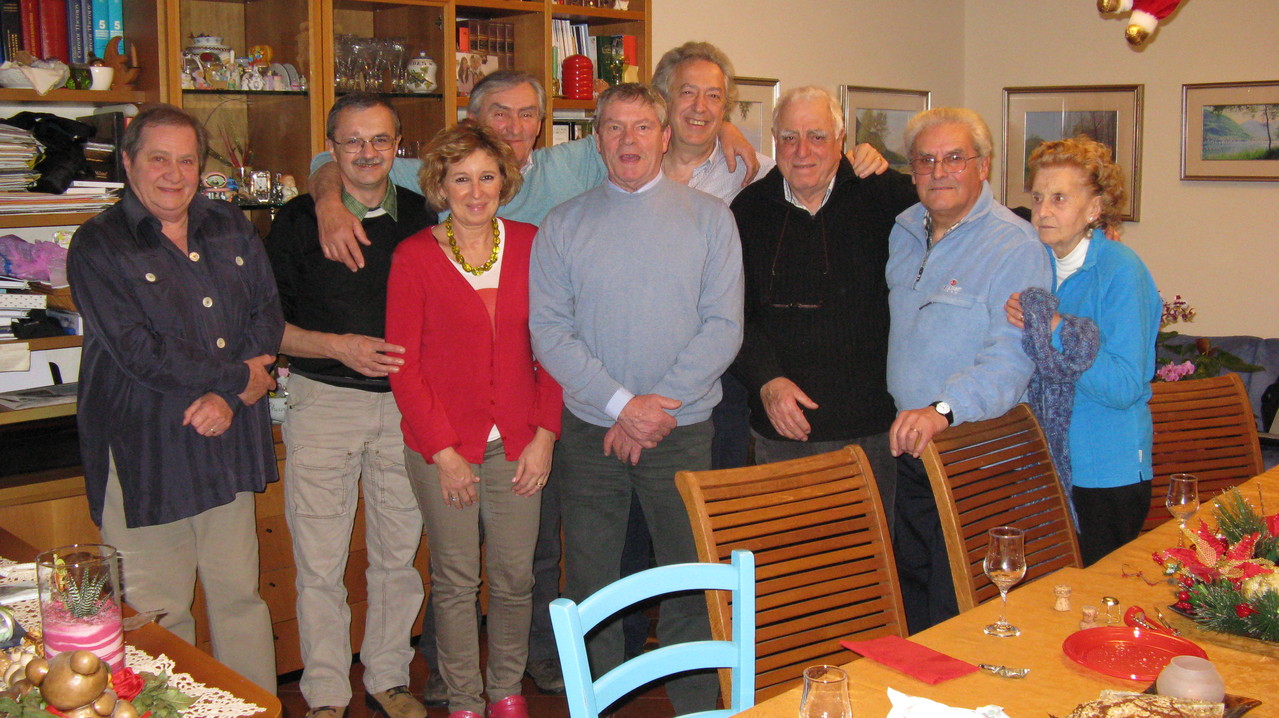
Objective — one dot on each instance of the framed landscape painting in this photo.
(1110, 114)
(878, 115)
(1230, 131)
(753, 114)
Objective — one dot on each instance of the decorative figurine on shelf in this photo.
(1062, 592)
(1146, 15)
(1089, 619)
(261, 55)
(421, 74)
(288, 188)
(577, 77)
(126, 68)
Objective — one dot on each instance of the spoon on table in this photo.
(1004, 671)
(1164, 621)
(1136, 616)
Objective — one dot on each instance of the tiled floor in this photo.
(651, 704)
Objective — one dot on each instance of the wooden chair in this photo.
(999, 473)
(735, 653)
(825, 561)
(1203, 427)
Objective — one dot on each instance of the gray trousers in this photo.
(509, 533)
(342, 440)
(221, 544)
(595, 495)
(882, 462)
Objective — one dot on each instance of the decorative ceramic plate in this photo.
(1124, 652)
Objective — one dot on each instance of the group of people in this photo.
(495, 342)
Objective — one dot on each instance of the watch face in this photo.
(943, 408)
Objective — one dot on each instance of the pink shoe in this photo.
(464, 714)
(508, 707)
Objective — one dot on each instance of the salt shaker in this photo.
(1089, 619)
(1062, 592)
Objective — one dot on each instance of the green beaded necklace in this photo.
(457, 253)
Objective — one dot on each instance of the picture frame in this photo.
(1230, 131)
(1111, 114)
(878, 115)
(753, 113)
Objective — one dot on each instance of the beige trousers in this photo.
(160, 564)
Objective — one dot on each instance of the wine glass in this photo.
(1005, 565)
(825, 693)
(1183, 499)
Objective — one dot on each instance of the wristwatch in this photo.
(944, 409)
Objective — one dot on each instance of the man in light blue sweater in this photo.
(636, 310)
(954, 259)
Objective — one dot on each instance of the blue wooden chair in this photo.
(571, 621)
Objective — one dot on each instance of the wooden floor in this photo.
(652, 704)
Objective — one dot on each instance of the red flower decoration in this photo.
(1243, 610)
(1183, 596)
(127, 684)
(1184, 606)
(1272, 524)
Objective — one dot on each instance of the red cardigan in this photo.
(460, 377)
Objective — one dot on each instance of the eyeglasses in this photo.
(798, 292)
(351, 146)
(952, 163)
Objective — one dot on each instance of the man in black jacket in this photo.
(814, 246)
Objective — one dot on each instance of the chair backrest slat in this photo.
(998, 473)
(1203, 427)
(825, 565)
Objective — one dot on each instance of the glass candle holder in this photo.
(825, 693)
(80, 601)
(1191, 677)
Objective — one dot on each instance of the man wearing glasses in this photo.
(343, 425)
(814, 248)
(954, 259)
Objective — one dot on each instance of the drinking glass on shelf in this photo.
(825, 693)
(1183, 499)
(1005, 565)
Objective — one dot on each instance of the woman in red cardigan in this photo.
(480, 416)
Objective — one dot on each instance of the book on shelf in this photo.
(23, 300)
(29, 11)
(53, 30)
(101, 26)
(10, 28)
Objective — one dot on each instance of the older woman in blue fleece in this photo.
(1092, 341)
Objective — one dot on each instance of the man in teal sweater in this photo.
(635, 295)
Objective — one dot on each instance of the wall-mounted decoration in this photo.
(878, 115)
(753, 114)
(1230, 131)
(1110, 114)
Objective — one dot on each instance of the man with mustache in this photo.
(343, 426)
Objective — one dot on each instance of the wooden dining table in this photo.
(155, 640)
(1056, 684)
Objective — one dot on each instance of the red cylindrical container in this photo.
(577, 79)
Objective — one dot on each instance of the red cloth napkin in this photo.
(912, 659)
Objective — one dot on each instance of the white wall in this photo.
(1215, 243)
(827, 42)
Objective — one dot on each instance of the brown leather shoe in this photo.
(396, 702)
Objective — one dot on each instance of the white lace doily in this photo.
(210, 702)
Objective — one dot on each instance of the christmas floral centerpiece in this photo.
(1228, 580)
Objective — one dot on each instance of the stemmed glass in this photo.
(1183, 499)
(1005, 565)
(825, 693)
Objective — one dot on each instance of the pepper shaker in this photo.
(1062, 592)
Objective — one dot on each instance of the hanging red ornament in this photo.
(1243, 610)
(1146, 15)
